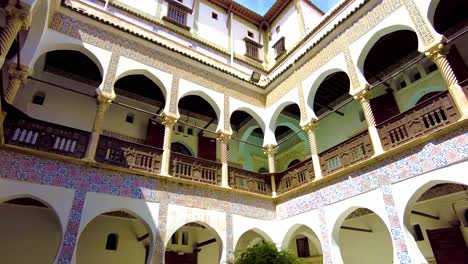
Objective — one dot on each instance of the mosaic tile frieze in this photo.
(422, 28)
(28, 168)
(438, 152)
(229, 238)
(153, 58)
(71, 233)
(326, 248)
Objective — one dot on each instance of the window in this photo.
(252, 49)
(177, 13)
(38, 98)
(431, 68)
(302, 247)
(402, 84)
(130, 118)
(417, 76)
(279, 47)
(190, 131)
(112, 240)
(214, 15)
(250, 34)
(418, 232)
(175, 238)
(180, 129)
(185, 238)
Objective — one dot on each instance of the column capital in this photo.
(224, 136)
(17, 15)
(364, 95)
(169, 119)
(269, 149)
(20, 74)
(311, 126)
(437, 50)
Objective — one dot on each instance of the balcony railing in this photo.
(427, 116)
(249, 181)
(128, 155)
(195, 169)
(295, 176)
(355, 149)
(35, 134)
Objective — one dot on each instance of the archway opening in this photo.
(115, 237)
(436, 219)
(241, 153)
(304, 243)
(293, 163)
(450, 16)
(194, 243)
(181, 149)
(362, 230)
(29, 224)
(195, 109)
(248, 239)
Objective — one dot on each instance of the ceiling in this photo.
(334, 87)
(75, 64)
(139, 85)
(450, 14)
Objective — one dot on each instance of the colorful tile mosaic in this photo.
(162, 230)
(229, 238)
(326, 250)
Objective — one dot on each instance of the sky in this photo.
(262, 6)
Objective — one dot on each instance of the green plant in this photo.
(266, 253)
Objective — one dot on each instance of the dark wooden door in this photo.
(174, 258)
(448, 245)
(384, 107)
(206, 148)
(155, 134)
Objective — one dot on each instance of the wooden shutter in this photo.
(448, 245)
(302, 247)
(155, 134)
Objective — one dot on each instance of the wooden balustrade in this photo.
(249, 181)
(427, 116)
(295, 176)
(128, 155)
(355, 149)
(195, 169)
(36, 134)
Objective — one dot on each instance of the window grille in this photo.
(279, 47)
(251, 49)
(177, 13)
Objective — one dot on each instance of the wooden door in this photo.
(172, 257)
(206, 148)
(384, 107)
(155, 134)
(448, 245)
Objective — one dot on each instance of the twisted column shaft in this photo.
(102, 106)
(270, 151)
(310, 129)
(17, 78)
(224, 138)
(438, 55)
(169, 120)
(17, 19)
(363, 98)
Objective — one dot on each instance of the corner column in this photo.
(310, 130)
(438, 54)
(224, 137)
(17, 19)
(270, 151)
(363, 97)
(169, 120)
(103, 104)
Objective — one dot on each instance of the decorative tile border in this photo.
(111, 71)
(162, 230)
(422, 29)
(174, 94)
(326, 249)
(229, 238)
(302, 103)
(227, 120)
(71, 234)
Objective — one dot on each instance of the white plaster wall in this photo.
(240, 29)
(289, 28)
(210, 29)
(311, 15)
(91, 247)
(147, 6)
(29, 234)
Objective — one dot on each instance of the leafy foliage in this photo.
(266, 253)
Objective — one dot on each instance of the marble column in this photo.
(438, 54)
(103, 104)
(169, 120)
(310, 130)
(270, 151)
(363, 98)
(223, 138)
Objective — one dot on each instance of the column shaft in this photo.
(16, 20)
(438, 55)
(363, 97)
(169, 120)
(310, 129)
(224, 138)
(18, 77)
(270, 152)
(102, 106)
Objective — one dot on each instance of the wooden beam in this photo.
(206, 242)
(143, 237)
(357, 229)
(425, 215)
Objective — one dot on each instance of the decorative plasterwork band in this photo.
(227, 123)
(151, 57)
(422, 29)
